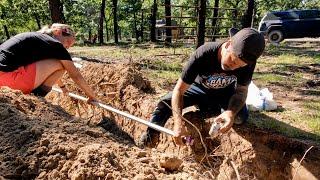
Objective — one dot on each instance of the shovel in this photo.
(127, 115)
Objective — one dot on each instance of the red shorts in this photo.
(22, 78)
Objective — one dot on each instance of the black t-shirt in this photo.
(205, 70)
(27, 48)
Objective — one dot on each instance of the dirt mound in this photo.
(59, 138)
(41, 140)
(131, 92)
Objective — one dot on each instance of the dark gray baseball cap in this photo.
(247, 44)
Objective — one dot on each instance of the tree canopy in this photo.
(133, 16)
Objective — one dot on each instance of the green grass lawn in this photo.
(285, 69)
(289, 69)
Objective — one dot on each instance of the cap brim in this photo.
(233, 31)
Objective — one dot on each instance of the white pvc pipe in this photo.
(109, 108)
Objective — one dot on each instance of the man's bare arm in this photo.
(238, 100)
(177, 107)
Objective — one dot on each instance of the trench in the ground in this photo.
(254, 153)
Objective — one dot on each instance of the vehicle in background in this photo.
(280, 25)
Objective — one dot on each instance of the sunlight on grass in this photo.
(263, 120)
(173, 66)
(269, 77)
(265, 79)
(291, 59)
(312, 115)
(288, 59)
(169, 75)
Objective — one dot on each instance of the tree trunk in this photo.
(235, 16)
(153, 21)
(135, 25)
(142, 29)
(37, 20)
(201, 23)
(115, 21)
(168, 39)
(247, 20)
(107, 29)
(214, 20)
(102, 15)
(6, 31)
(90, 36)
(56, 10)
(107, 33)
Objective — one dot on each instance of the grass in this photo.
(169, 76)
(312, 115)
(289, 67)
(285, 67)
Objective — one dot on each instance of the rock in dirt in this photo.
(170, 162)
(144, 177)
(142, 154)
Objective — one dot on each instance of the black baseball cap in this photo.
(247, 44)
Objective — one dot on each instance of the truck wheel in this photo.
(275, 36)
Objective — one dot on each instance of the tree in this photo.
(56, 10)
(115, 20)
(201, 22)
(215, 18)
(107, 29)
(168, 21)
(102, 15)
(6, 31)
(247, 20)
(153, 21)
(142, 25)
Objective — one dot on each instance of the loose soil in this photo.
(60, 138)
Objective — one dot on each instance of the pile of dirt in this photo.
(60, 138)
(130, 92)
(41, 140)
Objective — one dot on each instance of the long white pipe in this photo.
(109, 108)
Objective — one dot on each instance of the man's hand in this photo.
(180, 131)
(226, 119)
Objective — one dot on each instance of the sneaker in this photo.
(149, 140)
(42, 90)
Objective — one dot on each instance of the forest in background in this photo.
(96, 21)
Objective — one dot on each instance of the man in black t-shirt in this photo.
(34, 61)
(216, 77)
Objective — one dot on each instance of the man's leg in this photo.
(193, 96)
(48, 72)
